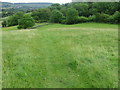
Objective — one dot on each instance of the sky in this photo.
(27, 1)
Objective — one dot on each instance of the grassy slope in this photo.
(0, 58)
(74, 56)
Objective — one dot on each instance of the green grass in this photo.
(0, 58)
(61, 56)
(12, 28)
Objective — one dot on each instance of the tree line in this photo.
(70, 13)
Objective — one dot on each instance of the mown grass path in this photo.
(61, 56)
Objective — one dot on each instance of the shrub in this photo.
(72, 16)
(115, 18)
(101, 17)
(13, 20)
(82, 8)
(63, 20)
(83, 19)
(91, 18)
(4, 24)
(64, 10)
(26, 22)
(41, 15)
(56, 16)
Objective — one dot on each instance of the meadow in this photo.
(61, 56)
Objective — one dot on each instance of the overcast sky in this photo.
(53, 1)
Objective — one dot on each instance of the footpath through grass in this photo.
(61, 56)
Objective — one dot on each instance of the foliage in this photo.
(82, 9)
(101, 17)
(41, 15)
(64, 10)
(105, 12)
(55, 6)
(72, 16)
(26, 22)
(83, 19)
(116, 17)
(13, 20)
(4, 23)
(56, 16)
(92, 18)
(105, 7)
(63, 20)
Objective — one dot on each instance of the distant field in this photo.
(61, 56)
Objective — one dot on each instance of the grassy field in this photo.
(61, 56)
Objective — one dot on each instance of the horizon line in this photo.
(32, 2)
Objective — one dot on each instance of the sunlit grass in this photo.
(61, 56)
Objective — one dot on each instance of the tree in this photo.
(55, 6)
(92, 18)
(26, 22)
(56, 16)
(82, 8)
(72, 16)
(105, 7)
(64, 10)
(41, 15)
(115, 18)
(4, 24)
(13, 20)
(101, 17)
(83, 19)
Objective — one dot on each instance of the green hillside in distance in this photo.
(11, 8)
(25, 5)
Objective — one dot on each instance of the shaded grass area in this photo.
(86, 25)
(61, 56)
(9, 28)
(12, 28)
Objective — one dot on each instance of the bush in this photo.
(101, 17)
(26, 22)
(4, 24)
(115, 18)
(82, 8)
(13, 20)
(72, 16)
(83, 19)
(56, 16)
(63, 21)
(91, 18)
(41, 15)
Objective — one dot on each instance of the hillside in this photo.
(7, 5)
(61, 56)
(11, 8)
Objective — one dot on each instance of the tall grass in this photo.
(61, 56)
